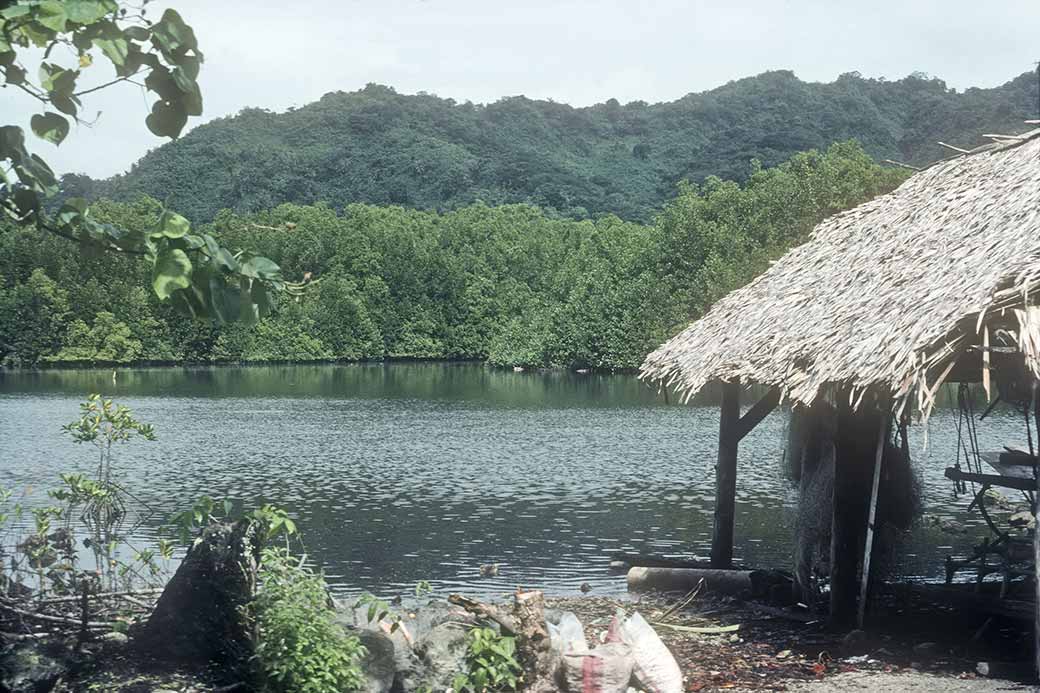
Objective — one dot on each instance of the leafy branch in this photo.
(193, 271)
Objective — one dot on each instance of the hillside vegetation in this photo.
(510, 284)
(379, 147)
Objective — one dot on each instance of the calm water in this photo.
(401, 473)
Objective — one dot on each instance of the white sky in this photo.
(276, 54)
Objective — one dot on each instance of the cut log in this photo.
(532, 642)
(200, 617)
(747, 583)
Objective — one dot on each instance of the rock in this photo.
(1023, 520)
(856, 642)
(440, 655)
(114, 638)
(201, 617)
(926, 650)
(26, 668)
(379, 664)
(994, 498)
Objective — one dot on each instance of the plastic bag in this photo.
(654, 666)
(568, 636)
(606, 669)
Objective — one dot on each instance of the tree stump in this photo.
(201, 615)
(532, 641)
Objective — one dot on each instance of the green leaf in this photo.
(112, 43)
(260, 268)
(166, 119)
(194, 242)
(50, 127)
(89, 11)
(137, 33)
(173, 36)
(172, 272)
(173, 225)
(51, 14)
(55, 78)
(15, 11)
(65, 104)
(15, 74)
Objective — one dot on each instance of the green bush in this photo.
(490, 662)
(300, 649)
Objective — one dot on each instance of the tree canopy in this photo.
(380, 147)
(511, 284)
(191, 270)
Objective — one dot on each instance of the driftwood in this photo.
(485, 611)
(200, 617)
(751, 583)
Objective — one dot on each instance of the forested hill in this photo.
(421, 151)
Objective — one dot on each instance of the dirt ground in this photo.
(774, 649)
(911, 681)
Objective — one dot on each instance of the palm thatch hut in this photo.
(879, 307)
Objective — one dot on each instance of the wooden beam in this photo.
(868, 549)
(997, 480)
(956, 149)
(760, 410)
(726, 477)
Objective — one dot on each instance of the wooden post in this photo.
(865, 579)
(1036, 533)
(726, 477)
(853, 458)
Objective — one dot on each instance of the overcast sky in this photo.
(279, 54)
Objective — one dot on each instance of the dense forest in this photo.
(379, 147)
(512, 284)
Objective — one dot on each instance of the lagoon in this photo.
(398, 473)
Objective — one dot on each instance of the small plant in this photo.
(100, 500)
(377, 610)
(103, 424)
(423, 588)
(272, 521)
(490, 662)
(300, 648)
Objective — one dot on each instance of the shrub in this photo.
(300, 649)
(490, 661)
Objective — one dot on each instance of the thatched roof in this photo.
(885, 296)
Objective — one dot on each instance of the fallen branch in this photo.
(21, 637)
(708, 630)
(103, 595)
(486, 611)
(684, 602)
(60, 620)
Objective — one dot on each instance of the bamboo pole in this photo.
(865, 579)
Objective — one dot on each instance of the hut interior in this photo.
(856, 330)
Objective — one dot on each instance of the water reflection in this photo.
(406, 472)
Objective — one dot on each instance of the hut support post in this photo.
(726, 477)
(1036, 534)
(865, 578)
(853, 463)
